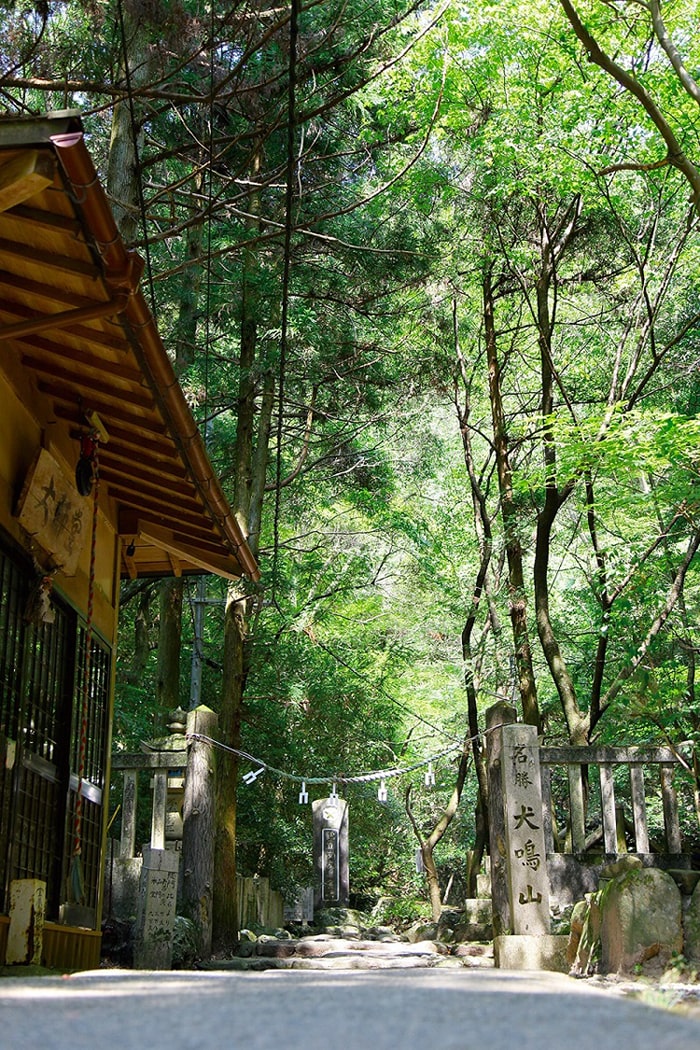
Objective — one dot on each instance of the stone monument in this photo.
(155, 917)
(330, 816)
(525, 845)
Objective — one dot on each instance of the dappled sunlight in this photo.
(310, 1010)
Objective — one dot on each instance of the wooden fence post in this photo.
(499, 715)
(198, 826)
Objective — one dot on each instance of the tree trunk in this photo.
(198, 814)
(169, 638)
(249, 463)
(225, 896)
(516, 581)
(554, 497)
(123, 170)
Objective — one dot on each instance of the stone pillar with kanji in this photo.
(330, 816)
(526, 856)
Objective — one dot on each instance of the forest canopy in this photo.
(429, 275)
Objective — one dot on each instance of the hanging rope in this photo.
(77, 883)
(336, 778)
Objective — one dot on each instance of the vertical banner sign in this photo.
(330, 816)
(526, 855)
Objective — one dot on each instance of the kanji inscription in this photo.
(525, 846)
(52, 511)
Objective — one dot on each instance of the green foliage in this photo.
(489, 149)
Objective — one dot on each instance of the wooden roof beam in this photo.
(24, 175)
(188, 513)
(47, 220)
(63, 264)
(131, 520)
(64, 319)
(144, 440)
(151, 427)
(42, 357)
(124, 465)
(32, 290)
(165, 540)
(88, 384)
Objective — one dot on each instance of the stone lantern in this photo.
(175, 785)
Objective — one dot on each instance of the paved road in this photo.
(307, 1010)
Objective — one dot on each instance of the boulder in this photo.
(692, 928)
(449, 920)
(345, 919)
(422, 931)
(640, 921)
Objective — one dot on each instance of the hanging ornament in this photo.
(303, 794)
(382, 794)
(430, 776)
(253, 774)
(85, 467)
(333, 797)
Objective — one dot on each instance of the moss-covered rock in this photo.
(640, 921)
(692, 928)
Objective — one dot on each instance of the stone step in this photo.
(329, 953)
(349, 961)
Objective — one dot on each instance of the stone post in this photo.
(501, 714)
(526, 854)
(25, 938)
(330, 817)
(155, 917)
(198, 815)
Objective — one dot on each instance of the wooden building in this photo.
(103, 475)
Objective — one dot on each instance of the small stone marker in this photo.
(330, 817)
(155, 918)
(25, 938)
(525, 846)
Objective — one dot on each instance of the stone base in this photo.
(547, 952)
(476, 923)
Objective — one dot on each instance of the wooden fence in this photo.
(622, 813)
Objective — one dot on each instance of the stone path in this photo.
(416, 1009)
(326, 952)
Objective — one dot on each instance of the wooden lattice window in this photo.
(93, 761)
(41, 691)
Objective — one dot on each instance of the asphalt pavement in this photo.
(341, 1010)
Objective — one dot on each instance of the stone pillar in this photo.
(127, 843)
(330, 816)
(501, 714)
(155, 917)
(123, 871)
(25, 938)
(526, 854)
(198, 813)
